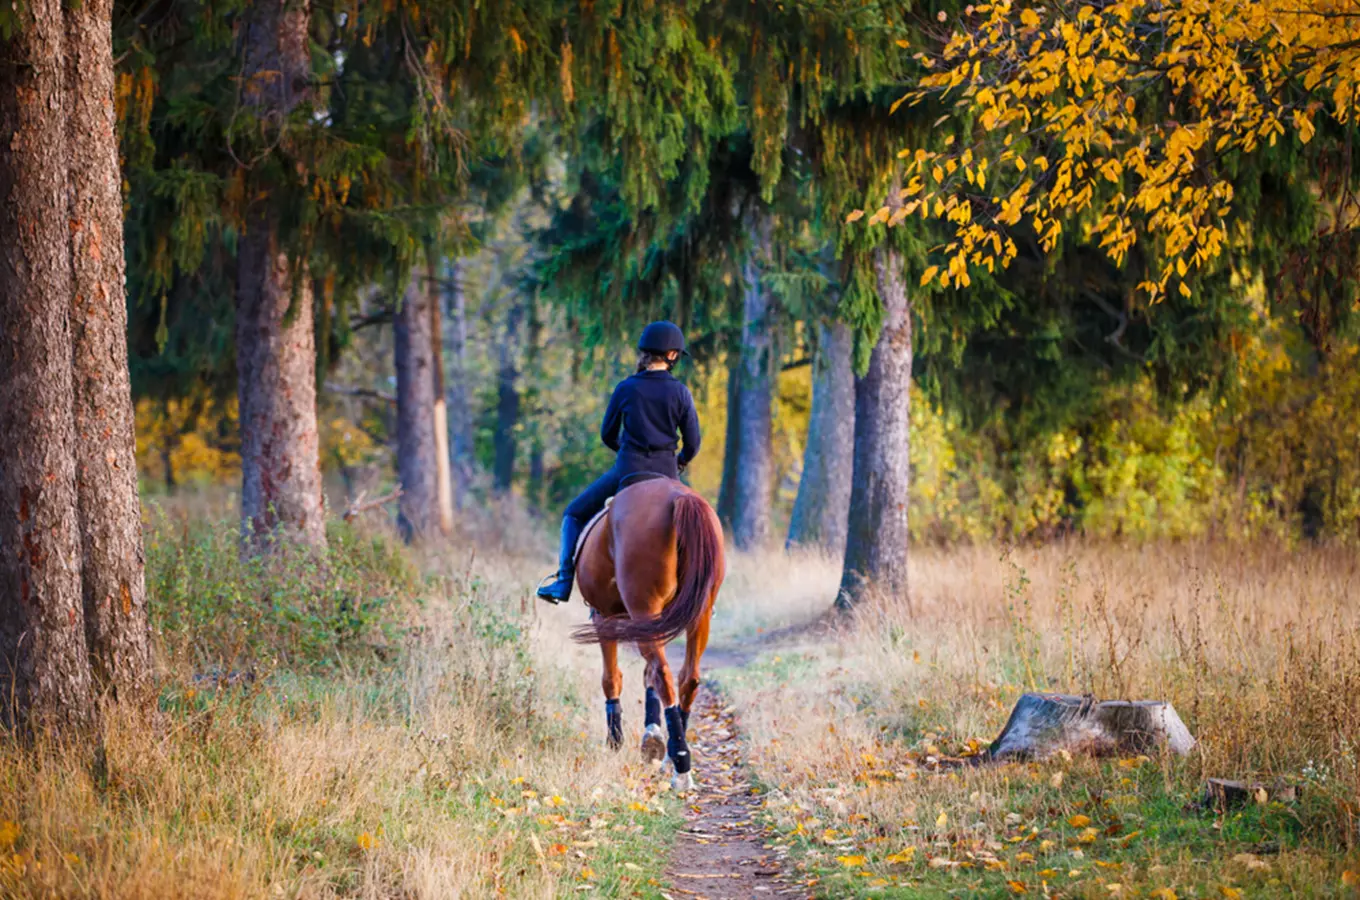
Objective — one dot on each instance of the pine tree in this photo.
(47, 681)
(417, 448)
(117, 629)
(821, 509)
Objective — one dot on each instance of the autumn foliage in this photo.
(1119, 120)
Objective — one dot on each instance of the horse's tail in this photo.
(698, 571)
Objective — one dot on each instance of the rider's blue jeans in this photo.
(593, 498)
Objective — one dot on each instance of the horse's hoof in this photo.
(653, 744)
(682, 784)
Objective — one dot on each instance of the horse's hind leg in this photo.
(653, 738)
(696, 639)
(677, 748)
(612, 682)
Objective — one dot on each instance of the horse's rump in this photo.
(698, 571)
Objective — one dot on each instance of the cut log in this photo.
(1043, 724)
(1222, 794)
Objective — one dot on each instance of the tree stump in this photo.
(1043, 724)
(1222, 794)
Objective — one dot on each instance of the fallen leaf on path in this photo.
(850, 862)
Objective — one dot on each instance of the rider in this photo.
(644, 415)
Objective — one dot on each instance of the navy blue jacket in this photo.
(645, 414)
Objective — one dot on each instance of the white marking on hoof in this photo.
(653, 744)
(682, 784)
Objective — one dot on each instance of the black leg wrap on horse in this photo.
(653, 716)
(684, 720)
(613, 716)
(676, 746)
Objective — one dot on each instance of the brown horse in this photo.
(649, 570)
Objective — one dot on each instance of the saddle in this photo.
(627, 481)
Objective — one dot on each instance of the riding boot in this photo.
(559, 591)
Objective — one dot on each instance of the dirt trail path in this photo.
(721, 853)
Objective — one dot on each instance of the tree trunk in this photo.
(417, 453)
(507, 398)
(443, 461)
(459, 407)
(727, 490)
(822, 507)
(45, 680)
(876, 537)
(754, 479)
(116, 626)
(275, 342)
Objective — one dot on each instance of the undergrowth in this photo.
(367, 722)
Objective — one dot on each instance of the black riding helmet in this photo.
(661, 338)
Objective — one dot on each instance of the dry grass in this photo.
(468, 765)
(465, 759)
(1258, 649)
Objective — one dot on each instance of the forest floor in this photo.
(423, 728)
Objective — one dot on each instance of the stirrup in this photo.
(549, 581)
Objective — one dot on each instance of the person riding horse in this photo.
(646, 413)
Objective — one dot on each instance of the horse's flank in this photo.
(652, 567)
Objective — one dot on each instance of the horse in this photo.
(650, 569)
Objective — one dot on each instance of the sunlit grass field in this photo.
(372, 724)
(1257, 647)
(392, 723)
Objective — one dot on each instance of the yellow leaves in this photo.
(1350, 878)
(942, 819)
(1303, 122)
(1163, 894)
(9, 834)
(1017, 887)
(1231, 893)
(855, 216)
(366, 841)
(1088, 836)
(926, 277)
(902, 857)
(851, 862)
(1029, 18)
